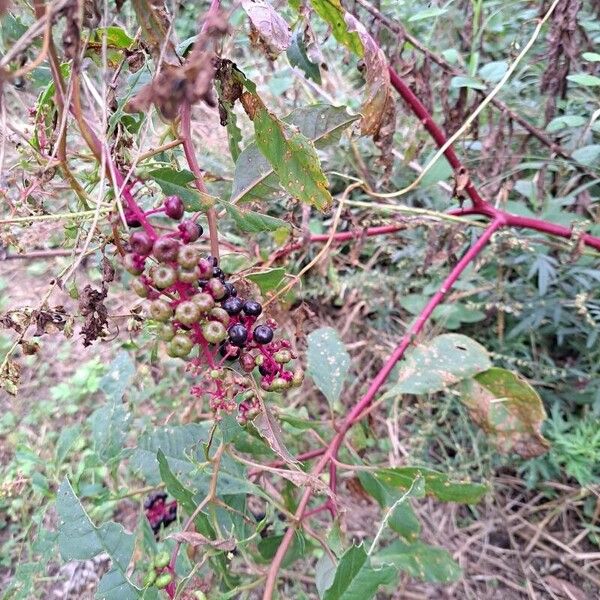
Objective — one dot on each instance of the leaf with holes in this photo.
(79, 539)
(356, 578)
(292, 157)
(421, 561)
(272, 29)
(442, 362)
(254, 177)
(508, 409)
(437, 484)
(328, 362)
(298, 57)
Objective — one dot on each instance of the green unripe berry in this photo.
(259, 360)
(214, 332)
(204, 302)
(161, 560)
(187, 257)
(149, 578)
(160, 310)
(200, 595)
(180, 346)
(132, 265)
(278, 384)
(216, 288)
(163, 276)
(187, 312)
(220, 314)
(162, 581)
(298, 378)
(282, 356)
(166, 332)
(188, 275)
(140, 288)
(216, 373)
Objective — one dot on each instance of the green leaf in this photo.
(585, 80)
(428, 13)
(461, 81)
(184, 496)
(565, 121)
(493, 71)
(405, 522)
(508, 409)
(298, 57)
(253, 222)
(442, 362)
(116, 37)
(328, 362)
(176, 183)
(254, 177)
(68, 436)
(324, 574)
(356, 578)
(267, 280)
(174, 441)
(110, 424)
(436, 484)
(333, 13)
(79, 539)
(421, 561)
(591, 56)
(293, 158)
(587, 155)
(118, 377)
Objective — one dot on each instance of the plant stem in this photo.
(190, 155)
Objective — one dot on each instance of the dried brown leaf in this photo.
(269, 429)
(197, 539)
(269, 31)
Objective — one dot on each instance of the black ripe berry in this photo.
(263, 334)
(132, 220)
(174, 207)
(213, 261)
(264, 370)
(238, 335)
(230, 289)
(217, 272)
(233, 306)
(252, 308)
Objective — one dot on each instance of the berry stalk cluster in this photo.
(197, 309)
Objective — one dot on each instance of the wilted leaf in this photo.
(421, 561)
(508, 409)
(378, 107)
(79, 539)
(269, 429)
(254, 176)
(10, 376)
(436, 484)
(356, 578)
(328, 362)
(272, 29)
(442, 362)
(333, 13)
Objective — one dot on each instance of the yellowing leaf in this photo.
(508, 409)
(333, 12)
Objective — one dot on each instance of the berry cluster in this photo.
(160, 574)
(195, 307)
(159, 512)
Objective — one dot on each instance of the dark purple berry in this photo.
(238, 335)
(153, 498)
(132, 220)
(252, 308)
(174, 207)
(189, 231)
(213, 261)
(264, 370)
(217, 272)
(140, 243)
(263, 334)
(165, 249)
(233, 305)
(230, 289)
